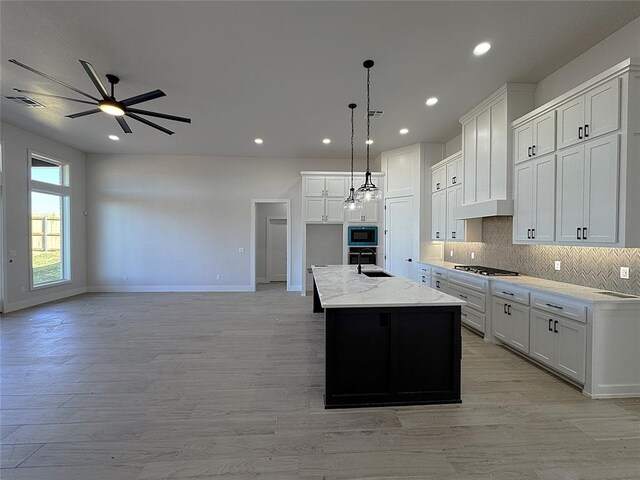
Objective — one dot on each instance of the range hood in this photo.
(489, 208)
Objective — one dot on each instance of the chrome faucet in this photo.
(360, 253)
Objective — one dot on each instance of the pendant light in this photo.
(368, 191)
(350, 203)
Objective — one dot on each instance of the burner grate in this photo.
(488, 271)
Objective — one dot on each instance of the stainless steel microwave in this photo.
(362, 236)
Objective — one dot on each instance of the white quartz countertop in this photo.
(340, 286)
(570, 290)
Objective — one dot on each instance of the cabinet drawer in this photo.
(469, 281)
(475, 320)
(509, 292)
(439, 284)
(474, 300)
(424, 269)
(559, 306)
(438, 272)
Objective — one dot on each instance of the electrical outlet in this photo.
(23, 289)
(624, 272)
(241, 250)
(218, 277)
(556, 264)
(473, 255)
(451, 253)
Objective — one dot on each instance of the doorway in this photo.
(271, 242)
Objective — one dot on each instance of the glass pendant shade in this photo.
(351, 203)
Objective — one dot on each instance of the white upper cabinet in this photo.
(369, 213)
(439, 215)
(534, 216)
(438, 178)
(314, 186)
(454, 171)
(323, 197)
(487, 151)
(335, 187)
(596, 176)
(595, 113)
(324, 186)
(588, 192)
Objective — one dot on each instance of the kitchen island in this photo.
(388, 340)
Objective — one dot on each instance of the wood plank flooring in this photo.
(203, 385)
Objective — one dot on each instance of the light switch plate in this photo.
(556, 264)
(624, 272)
(473, 255)
(241, 250)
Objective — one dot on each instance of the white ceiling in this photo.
(285, 71)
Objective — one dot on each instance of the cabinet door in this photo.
(333, 210)
(450, 221)
(500, 321)
(601, 190)
(519, 318)
(570, 122)
(544, 196)
(473, 319)
(355, 216)
(602, 109)
(483, 157)
(469, 160)
(542, 340)
(461, 226)
(570, 194)
(439, 215)
(523, 214)
(544, 134)
(571, 344)
(459, 177)
(438, 178)
(314, 209)
(370, 212)
(314, 186)
(454, 172)
(438, 284)
(335, 187)
(522, 142)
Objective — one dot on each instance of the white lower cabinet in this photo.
(511, 323)
(559, 343)
(439, 284)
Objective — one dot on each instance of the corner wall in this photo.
(16, 143)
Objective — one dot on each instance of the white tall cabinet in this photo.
(591, 196)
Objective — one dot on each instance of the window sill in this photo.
(35, 288)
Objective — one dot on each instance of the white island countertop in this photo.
(340, 286)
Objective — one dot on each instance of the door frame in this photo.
(3, 270)
(416, 228)
(268, 250)
(254, 203)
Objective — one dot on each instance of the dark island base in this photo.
(392, 356)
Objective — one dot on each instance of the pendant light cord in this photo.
(368, 119)
(352, 133)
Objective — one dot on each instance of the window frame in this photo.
(64, 192)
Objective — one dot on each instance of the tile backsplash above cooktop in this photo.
(590, 266)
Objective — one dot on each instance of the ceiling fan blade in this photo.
(54, 96)
(83, 114)
(123, 123)
(147, 122)
(159, 115)
(49, 77)
(95, 79)
(145, 97)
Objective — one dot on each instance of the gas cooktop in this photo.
(492, 272)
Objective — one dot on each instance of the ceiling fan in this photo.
(108, 104)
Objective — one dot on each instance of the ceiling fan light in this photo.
(112, 108)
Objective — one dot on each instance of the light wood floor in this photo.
(198, 386)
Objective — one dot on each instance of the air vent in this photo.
(375, 114)
(26, 102)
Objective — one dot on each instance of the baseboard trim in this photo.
(294, 288)
(52, 297)
(262, 280)
(168, 288)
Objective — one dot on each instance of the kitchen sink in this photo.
(376, 273)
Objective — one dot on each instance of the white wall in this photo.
(453, 146)
(176, 222)
(618, 46)
(264, 210)
(16, 143)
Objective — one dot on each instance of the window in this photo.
(50, 199)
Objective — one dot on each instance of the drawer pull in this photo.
(508, 293)
(550, 323)
(554, 306)
(462, 296)
(555, 326)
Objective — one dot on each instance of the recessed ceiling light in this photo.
(258, 141)
(431, 101)
(481, 48)
(326, 141)
(114, 137)
(369, 142)
(404, 131)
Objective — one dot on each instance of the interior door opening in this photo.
(271, 243)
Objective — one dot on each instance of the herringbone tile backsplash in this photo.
(589, 266)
